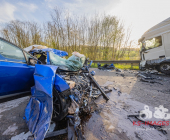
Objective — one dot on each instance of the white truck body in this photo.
(155, 46)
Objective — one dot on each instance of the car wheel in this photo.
(56, 107)
(60, 106)
(165, 68)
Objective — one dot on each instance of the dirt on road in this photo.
(109, 121)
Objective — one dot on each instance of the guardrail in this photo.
(118, 62)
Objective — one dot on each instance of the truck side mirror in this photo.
(143, 49)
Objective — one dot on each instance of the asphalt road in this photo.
(110, 120)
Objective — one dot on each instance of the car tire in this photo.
(164, 68)
(60, 106)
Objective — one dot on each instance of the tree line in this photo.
(99, 37)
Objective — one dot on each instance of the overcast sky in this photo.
(139, 14)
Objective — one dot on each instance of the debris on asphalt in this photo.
(149, 81)
(147, 76)
(122, 75)
(118, 70)
(106, 67)
(119, 92)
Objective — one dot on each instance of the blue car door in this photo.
(16, 76)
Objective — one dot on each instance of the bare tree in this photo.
(101, 37)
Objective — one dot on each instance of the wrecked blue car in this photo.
(59, 86)
(58, 94)
(17, 69)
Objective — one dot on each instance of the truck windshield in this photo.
(153, 43)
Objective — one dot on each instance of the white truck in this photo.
(155, 48)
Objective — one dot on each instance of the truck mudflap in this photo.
(38, 112)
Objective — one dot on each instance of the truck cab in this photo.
(155, 48)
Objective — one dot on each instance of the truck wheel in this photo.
(165, 68)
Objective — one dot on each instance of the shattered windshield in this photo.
(56, 60)
(152, 43)
(73, 63)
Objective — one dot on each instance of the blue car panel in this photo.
(15, 77)
(39, 110)
(60, 84)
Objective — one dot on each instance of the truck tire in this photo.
(164, 68)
